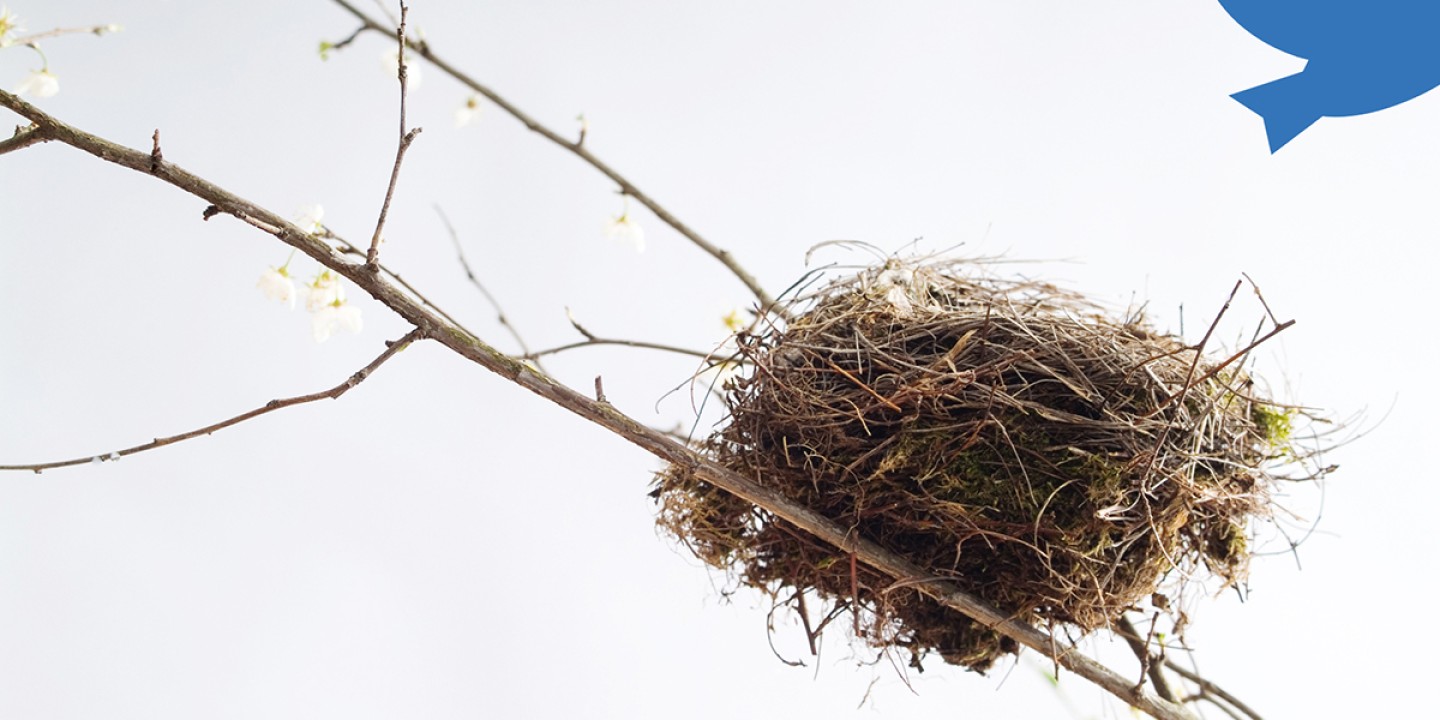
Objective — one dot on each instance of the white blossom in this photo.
(9, 25)
(324, 291)
(325, 320)
(623, 228)
(466, 113)
(277, 284)
(39, 83)
(325, 299)
(309, 217)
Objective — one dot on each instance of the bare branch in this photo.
(653, 441)
(767, 303)
(1210, 691)
(23, 138)
(96, 30)
(333, 393)
(1150, 665)
(593, 340)
(347, 247)
(474, 280)
(406, 137)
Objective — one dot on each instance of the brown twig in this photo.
(593, 340)
(1210, 691)
(156, 157)
(484, 292)
(23, 138)
(653, 441)
(347, 247)
(96, 30)
(1150, 665)
(333, 393)
(767, 303)
(406, 137)
(596, 342)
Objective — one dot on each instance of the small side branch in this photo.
(593, 340)
(1150, 665)
(1212, 692)
(406, 137)
(96, 30)
(391, 349)
(475, 280)
(25, 137)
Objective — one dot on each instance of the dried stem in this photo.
(372, 257)
(96, 30)
(1210, 691)
(1150, 665)
(657, 443)
(474, 280)
(593, 340)
(23, 138)
(767, 302)
(333, 393)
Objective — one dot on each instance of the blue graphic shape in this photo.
(1363, 56)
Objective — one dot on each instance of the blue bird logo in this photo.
(1363, 56)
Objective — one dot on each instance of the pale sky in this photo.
(441, 544)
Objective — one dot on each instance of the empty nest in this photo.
(1056, 461)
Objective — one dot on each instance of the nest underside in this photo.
(1054, 461)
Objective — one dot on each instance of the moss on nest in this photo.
(1058, 462)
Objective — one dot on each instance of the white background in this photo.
(441, 544)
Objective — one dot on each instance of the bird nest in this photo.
(1060, 463)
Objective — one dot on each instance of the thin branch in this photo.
(1210, 691)
(653, 441)
(23, 138)
(596, 342)
(767, 303)
(346, 42)
(347, 247)
(1151, 665)
(406, 137)
(592, 340)
(333, 393)
(96, 30)
(474, 280)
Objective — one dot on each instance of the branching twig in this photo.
(1150, 665)
(1210, 691)
(57, 32)
(272, 406)
(596, 342)
(23, 138)
(474, 280)
(767, 303)
(406, 137)
(653, 441)
(593, 340)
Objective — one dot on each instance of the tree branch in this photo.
(767, 303)
(475, 280)
(1150, 665)
(333, 393)
(653, 441)
(372, 257)
(1210, 691)
(23, 138)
